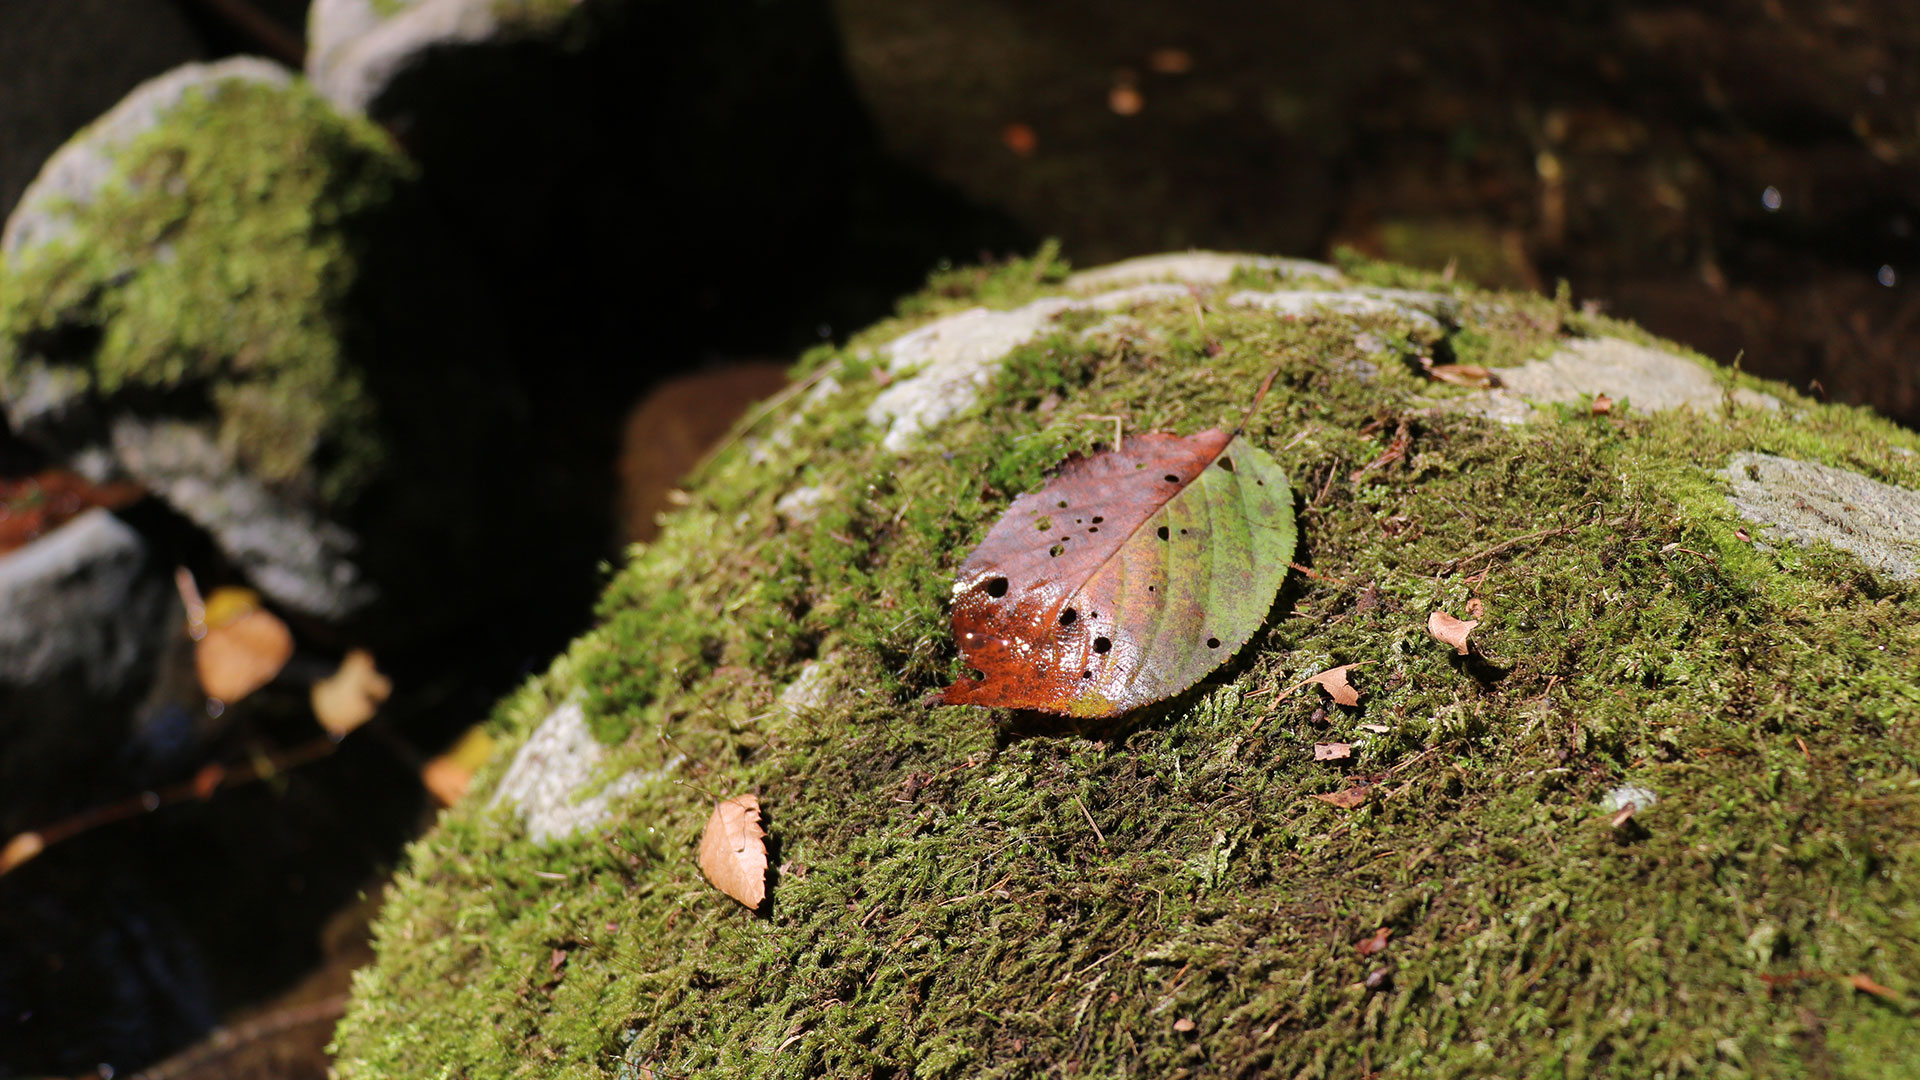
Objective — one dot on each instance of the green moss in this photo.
(214, 271)
(970, 894)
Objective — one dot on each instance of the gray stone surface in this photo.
(1299, 303)
(64, 62)
(75, 174)
(1202, 268)
(1806, 502)
(84, 614)
(560, 761)
(287, 551)
(1648, 379)
(357, 48)
(945, 364)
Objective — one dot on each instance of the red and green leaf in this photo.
(1126, 579)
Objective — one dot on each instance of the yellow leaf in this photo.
(242, 650)
(448, 775)
(733, 851)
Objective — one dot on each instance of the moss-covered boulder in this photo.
(962, 893)
(228, 291)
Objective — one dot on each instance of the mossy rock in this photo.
(228, 291)
(963, 893)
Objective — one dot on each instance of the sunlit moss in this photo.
(974, 895)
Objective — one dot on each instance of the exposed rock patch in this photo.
(1806, 502)
(1201, 268)
(1650, 380)
(559, 761)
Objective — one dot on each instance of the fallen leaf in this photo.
(1623, 815)
(1462, 375)
(448, 775)
(244, 647)
(1378, 978)
(1125, 100)
(1183, 1025)
(1377, 729)
(1347, 799)
(1332, 751)
(1334, 682)
(1103, 591)
(1868, 986)
(1475, 608)
(1170, 61)
(1451, 631)
(733, 850)
(21, 848)
(1602, 404)
(208, 780)
(1020, 139)
(1374, 944)
(351, 695)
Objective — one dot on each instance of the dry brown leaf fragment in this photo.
(1346, 799)
(1868, 986)
(1334, 681)
(351, 695)
(1451, 631)
(1332, 751)
(1376, 943)
(1623, 815)
(1184, 1024)
(21, 848)
(1475, 607)
(1472, 375)
(1602, 404)
(1170, 61)
(448, 776)
(733, 850)
(243, 645)
(1377, 729)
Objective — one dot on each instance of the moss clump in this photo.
(213, 274)
(970, 894)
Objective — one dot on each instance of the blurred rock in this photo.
(88, 608)
(231, 293)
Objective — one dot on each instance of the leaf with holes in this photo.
(1126, 579)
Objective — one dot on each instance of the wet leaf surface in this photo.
(1126, 579)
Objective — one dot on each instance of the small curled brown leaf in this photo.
(1451, 631)
(733, 850)
(1346, 799)
(1462, 375)
(1376, 943)
(1334, 681)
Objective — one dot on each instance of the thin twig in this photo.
(1089, 817)
(208, 781)
(263, 30)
